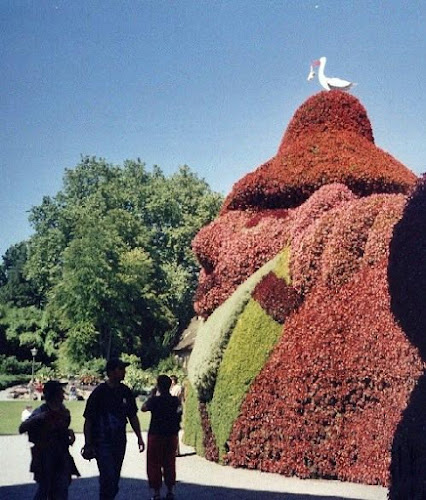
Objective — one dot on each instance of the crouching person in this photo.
(162, 437)
(48, 428)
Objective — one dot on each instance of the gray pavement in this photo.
(197, 479)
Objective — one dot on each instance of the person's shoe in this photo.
(170, 496)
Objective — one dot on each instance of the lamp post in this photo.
(34, 354)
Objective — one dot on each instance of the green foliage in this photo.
(169, 366)
(80, 344)
(9, 380)
(193, 431)
(46, 373)
(15, 288)
(21, 328)
(109, 264)
(250, 345)
(11, 365)
(92, 372)
(213, 335)
(282, 266)
(140, 381)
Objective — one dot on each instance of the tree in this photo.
(111, 258)
(15, 288)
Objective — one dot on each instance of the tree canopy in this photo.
(109, 268)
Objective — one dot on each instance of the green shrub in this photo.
(193, 431)
(46, 373)
(140, 381)
(8, 380)
(10, 365)
(251, 343)
(92, 372)
(282, 265)
(213, 335)
(169, 366)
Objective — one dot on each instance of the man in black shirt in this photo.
(162, 436)
(108, 408)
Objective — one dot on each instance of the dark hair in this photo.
(174, 378)
(163, 383)
(51, 389)
(114, 363)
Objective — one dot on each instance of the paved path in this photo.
(198, 479)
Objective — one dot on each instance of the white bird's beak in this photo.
(311, 74)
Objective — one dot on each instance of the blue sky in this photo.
(212, 84)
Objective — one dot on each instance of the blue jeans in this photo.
(110, 458)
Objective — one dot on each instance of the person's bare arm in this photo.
(134, 422)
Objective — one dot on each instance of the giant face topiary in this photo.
(345, 295)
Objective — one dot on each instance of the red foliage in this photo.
(328, 112)
(323, 200)
(238, 243)
(230, 252)
(207, 244)
(328, 140)
(210, 449)
(344, 250)
(327, 402)
(328, 152)
(276, 297)
(334, 247)
(380, 233)
(258, 216)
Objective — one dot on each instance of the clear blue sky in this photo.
(212, 84)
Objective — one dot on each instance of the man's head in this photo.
(116, 369)
(163, 384)
(53, 391)
(174, 379)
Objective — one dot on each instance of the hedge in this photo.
(231, 249)
(328, 400)
(213, 335)
(339, 242)
(342, 394)
(328, 140)
(251, 343)
(193, 430)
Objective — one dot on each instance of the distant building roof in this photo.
(188, 336)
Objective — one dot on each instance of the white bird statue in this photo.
(329, 83)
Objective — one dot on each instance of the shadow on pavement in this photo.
(138, 489)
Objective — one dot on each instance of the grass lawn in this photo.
(10, 415)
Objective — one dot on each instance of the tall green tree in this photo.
(111, 258)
